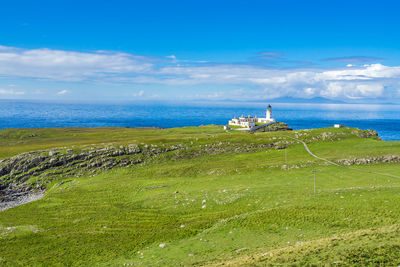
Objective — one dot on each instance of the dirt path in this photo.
(336, 164)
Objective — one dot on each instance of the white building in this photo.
(249, 121)
(244, 122)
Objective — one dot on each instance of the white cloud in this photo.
(11, 92)
(309, 91)
(352, 90)
(173, 57)
(139, 94)
(115, 68)
(357, 82)
(68, 66)
(63, 92)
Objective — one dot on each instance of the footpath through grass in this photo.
(235, 208)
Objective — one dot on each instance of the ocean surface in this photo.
(23, 114)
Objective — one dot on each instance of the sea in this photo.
(34, 114)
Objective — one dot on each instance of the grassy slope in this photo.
(251, 206)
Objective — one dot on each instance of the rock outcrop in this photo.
(279, 126)
(361, 161)
(33, 170)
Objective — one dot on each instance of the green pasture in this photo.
(249, 208)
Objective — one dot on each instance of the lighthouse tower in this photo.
(269, 113)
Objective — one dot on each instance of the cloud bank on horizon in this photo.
(360, 77)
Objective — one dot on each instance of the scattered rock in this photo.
(241, 249)
(361, 161)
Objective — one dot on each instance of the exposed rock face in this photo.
(279, 126)
(31, 171)
(13, 199)
(355, 161)
(365, 134)
(335, 136)
(17, 173)
(327, 135)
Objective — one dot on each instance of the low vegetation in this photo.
(199, 196)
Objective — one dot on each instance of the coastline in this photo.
(31, 115)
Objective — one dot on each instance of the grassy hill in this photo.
(219, 198)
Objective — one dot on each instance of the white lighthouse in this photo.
(269, 113)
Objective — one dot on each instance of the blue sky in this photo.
(200, 50)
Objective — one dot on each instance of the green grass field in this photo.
(231, 208)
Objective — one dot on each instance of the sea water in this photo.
(27, 114)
